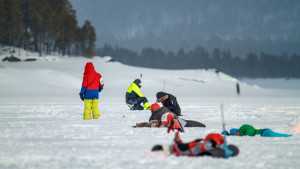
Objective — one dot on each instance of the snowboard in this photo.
(192, 123)
(220, 153)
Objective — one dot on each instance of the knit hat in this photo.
(137, 81)
(233, 131)
(155, 106)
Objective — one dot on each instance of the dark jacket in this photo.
(133, 92)
(156, 115)
(169, 101)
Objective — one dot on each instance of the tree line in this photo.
(254, 66)
(45, 26)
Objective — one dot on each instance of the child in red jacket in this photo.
(92, 84)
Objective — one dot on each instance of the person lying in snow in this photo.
(167, 119)
(248, 130)
(169, 101)
(134, 97)
(212, 145)
(161, 116)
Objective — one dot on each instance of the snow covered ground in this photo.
(41, 122)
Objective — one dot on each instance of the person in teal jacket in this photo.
(248, 130)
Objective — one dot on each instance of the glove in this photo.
(100, 88)
(81, 96)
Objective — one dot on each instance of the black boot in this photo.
(137, 107)
(157, 148)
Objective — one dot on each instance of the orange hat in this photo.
(155, 106)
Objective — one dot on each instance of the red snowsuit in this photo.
(171, 121)
(196, 147)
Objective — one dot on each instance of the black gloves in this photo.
(81, 96)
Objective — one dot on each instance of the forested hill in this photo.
(255, 65)
(270, 26)
(45, 26)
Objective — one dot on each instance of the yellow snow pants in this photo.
(91, 105)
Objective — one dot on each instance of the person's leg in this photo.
(95, 110)
(135, 103)
(190, 149)
(177, 138)
(87, 109)
(270, 133)
(146, 103)
(143, 99)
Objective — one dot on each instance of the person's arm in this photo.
(84, 85)
(137, 91)
(83, 88)
(101, 84)
(173, 105)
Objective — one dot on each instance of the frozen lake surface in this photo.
(41, 122)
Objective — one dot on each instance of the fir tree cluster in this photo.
(254, 66)
(45, 26)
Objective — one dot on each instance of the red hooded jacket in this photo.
(92, 82)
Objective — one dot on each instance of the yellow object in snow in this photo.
(91, 105)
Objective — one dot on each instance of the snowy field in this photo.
(41, 122)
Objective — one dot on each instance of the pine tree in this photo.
(11, 22)
(89, 38)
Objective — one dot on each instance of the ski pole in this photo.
(228, 152)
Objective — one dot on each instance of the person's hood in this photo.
(160, 96)
(89, 67)
(233, 131)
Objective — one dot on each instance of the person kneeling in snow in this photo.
(160, 114)
(211, 145)
(169, 101)
(92, 84)
(248, 130)
(134, 97)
